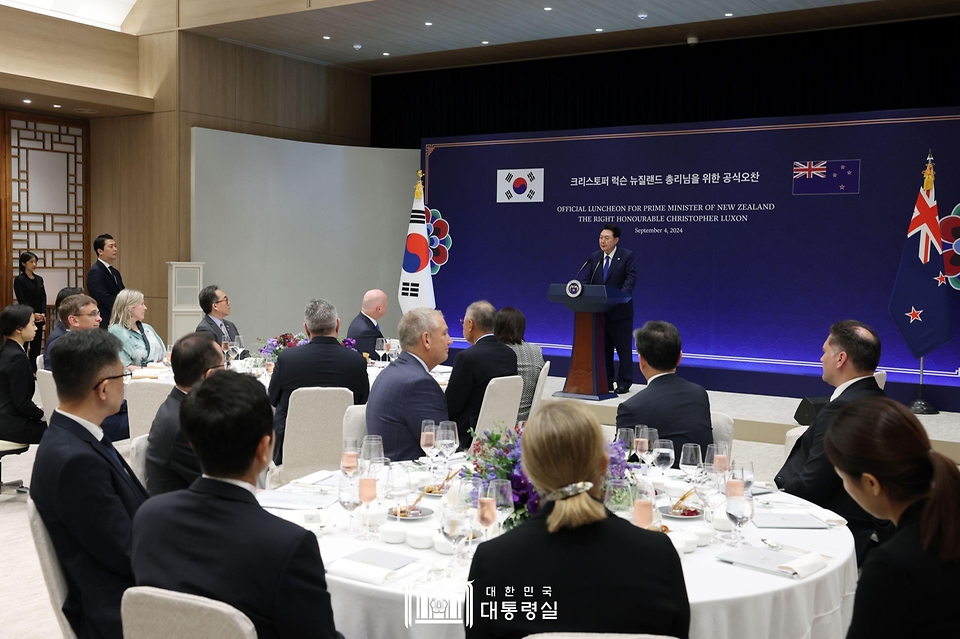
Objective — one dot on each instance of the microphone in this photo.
(594, 274)
(585, 262)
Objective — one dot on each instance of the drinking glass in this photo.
(647, 436)
(690, 459)
(625, 435)
(447, 443)
(231, 351)
(718, 456)
(428, 441)
(399, 487)
(169, 354)
(451, 425)
(663, 454)
(740, 512)
(456, 527)
(486, 513)
(349, 497)
(640, 445)
(367, 490)
(269, 361)
(471, 491)
(743, 470)
(387, 349)
(238, 342)
(644, 499)
(705, 484)
(379, 347)
(502, 493)
(371, 449)
(619, 497)
(349, 460)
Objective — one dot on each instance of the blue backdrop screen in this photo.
(751, 236)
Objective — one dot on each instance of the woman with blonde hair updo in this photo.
(141, 344)
(600, 573)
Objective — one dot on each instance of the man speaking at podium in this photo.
(614, 266)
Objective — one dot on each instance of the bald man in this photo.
(365, 327)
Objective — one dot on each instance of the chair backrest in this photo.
(138, 458)
(314, 430)
(593, 635)
(501, 403)
(144, 397)
(48, 393)
(722, 430)
(155, 613)
(881, 377)
(790, 439)
(50, 567)
(541, 385)
(40, 362)
(355, 422)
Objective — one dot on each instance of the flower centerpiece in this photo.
(274, 345)
(498, 455)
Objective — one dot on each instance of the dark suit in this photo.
(171, 462)
(472, 371)
(904, 590)
(678, 409)
(365, 333)
(403, 395)
(808, 473)
(214, 540)
(618, 321)
(103, 285)
(608, 576)
(208, 325)
(32, 293)
(20, 419)
(87, 497)
(324, 362)
(59, 330)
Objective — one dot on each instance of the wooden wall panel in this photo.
(158, 70)
(348, 102)
(194, 13)
(157, 311)
(42, 47)
(306, 90)
(208, 76)
(151, 16)
(104, 214)
(260, 86)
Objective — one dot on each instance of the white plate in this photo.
(665, 512)
(425, 513)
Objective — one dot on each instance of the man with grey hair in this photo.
(405, 394)
(475, 367)
(321, 363)
(365, 327)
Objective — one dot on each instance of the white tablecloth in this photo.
(726, 601)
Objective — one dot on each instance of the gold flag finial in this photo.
(418, 192)
(928, 172)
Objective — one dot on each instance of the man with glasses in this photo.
(60, 328)
(85, 492)
(171, 462)
(216, 305)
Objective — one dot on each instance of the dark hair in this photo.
(13, 317)
(208, 297)
(100, 242)
(883, 438)
(864, 352)
(25, 257)
(79, 359)
(72, 306)
(509, 325)
(67, 292)
(224, 417)
(193, 355)
(612, 228)
(659, 344)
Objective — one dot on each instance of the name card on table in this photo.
(773, 562)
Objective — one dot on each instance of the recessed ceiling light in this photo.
(548, 8)
(598, 30)
(429, 24)
(27, 101)
(642, 16)
(728, 15)
(326, 37)
(485, 42)
(86, 111)
(385, 53)
(56, 106)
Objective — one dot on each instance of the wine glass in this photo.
(349, 460)
(718, 456)
(743, 470)
(428, 441)
(269, 361)
(168, 357)
(447, 443)
(399, 487)
(502, 493)
(471, 491)
(451, 425)
(349, 497)
(371, 449)
(739, 511)
(238, 344)
(644, 499)
(648, 438)
(663, 454)
(486, 512)
(456, 527)
(387, 349)
(706, 485)
(690, 459)
(625, 435)
(368, 494)
(619, 497)
(380, 347)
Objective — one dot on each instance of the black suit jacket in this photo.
(214, 540)
(622, 275)
(103, 286)
(472, 371)
(366, 334)
(207, 325)
(18, 413)
(171, 462)
(321, 363)
(678, 409)
(59, 330)
(904, 590)
(87, 500)
(608, 576)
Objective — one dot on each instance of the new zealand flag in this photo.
(826, 177)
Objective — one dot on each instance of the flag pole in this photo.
(920, 406)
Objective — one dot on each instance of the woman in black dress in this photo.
(28, 287)
(20, 419)
(909, 584)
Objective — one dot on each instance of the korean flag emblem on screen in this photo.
(520, 185)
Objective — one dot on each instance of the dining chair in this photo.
(541, 385)
(722, 430)
(144, 397)
(138, 457)
(594, 635)
(40, 362)
(50, 567)
(48, 393)
(790, 439)
(12, 448)
(314, 431)
(155, 613)
(501, 403)
(355, 422)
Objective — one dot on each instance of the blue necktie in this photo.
(108, 444)
(606, 268)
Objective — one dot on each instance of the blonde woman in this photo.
(141, 344)
(600, 573)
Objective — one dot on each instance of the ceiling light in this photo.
(485, 42)
(642, 16)
(728, 15)
(429, 24)
(357, 47)
(27, 101)
(598, 30)
(56, 106)
(385, 53)
(326, 37)
(548, 8)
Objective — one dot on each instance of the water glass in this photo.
(379, 347)
(451, 425)
(446, 442)
(663, 454)
(456, 527)
(349, 498)
(625, 435)
(707, 487)
(399, 487)
(428, 441)
(502, 493)
(690, 459)
(619, 497)
(371, 448)
(740, 512)
(743, 470)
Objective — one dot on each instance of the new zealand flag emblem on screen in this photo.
(826, 177)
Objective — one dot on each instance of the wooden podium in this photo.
(588, 374)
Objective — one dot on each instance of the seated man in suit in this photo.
(475, 367)
(405, 394)
(171, 462)
(851, 354)
(60, 328)
(678, 409)
(103, 280)
(84, 491)
(216, 305)
(324, 362)
(214, 540)
(365, 327)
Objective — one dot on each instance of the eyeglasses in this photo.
(92, 314)
(225, 299)
(125, 375)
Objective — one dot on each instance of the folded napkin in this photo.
(373, 566)
(804, 565)
(294, 501)
(146, 373)
(774, 562)
(313, 478)
(160, 366)
(828, 517)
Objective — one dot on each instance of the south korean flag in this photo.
(520, 185)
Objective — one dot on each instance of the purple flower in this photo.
(303, 341)
(350, 343)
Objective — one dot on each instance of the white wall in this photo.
(279, 222)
